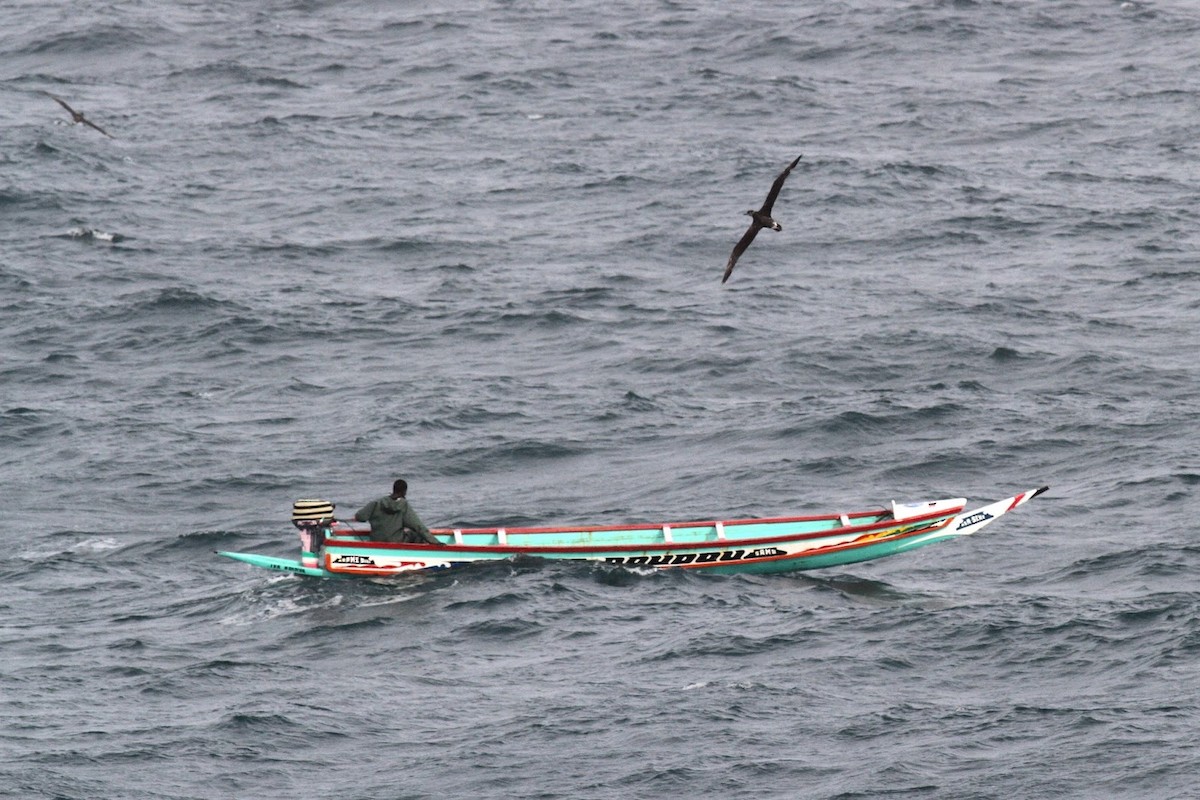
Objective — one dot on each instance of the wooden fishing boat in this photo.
(332, 549)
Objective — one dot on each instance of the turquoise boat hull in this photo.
(279, 564)
(746, 546)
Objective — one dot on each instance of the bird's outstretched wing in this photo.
(62, 103)
(740, 248)
(91, 124)
(776, 186)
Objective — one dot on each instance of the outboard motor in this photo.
(314, 520)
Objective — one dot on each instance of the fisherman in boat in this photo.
(393, 519)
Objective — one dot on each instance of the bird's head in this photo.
(749, 213)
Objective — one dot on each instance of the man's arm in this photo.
(413, 523)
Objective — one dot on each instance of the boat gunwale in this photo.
(932, 519)
(649, 526)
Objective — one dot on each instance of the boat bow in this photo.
(970, 522)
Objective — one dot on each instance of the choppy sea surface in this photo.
(479, 246)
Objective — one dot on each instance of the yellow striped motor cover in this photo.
(311, 510)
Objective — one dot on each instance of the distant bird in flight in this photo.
(78, 116)
(759, 219)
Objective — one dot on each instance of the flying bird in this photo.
(78, 116)
(759, 219)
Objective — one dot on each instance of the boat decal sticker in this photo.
(356, 561)
(680, 559)
(297, 568)
(973, 519)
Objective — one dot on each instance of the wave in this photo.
(97, 39)
(508, 455)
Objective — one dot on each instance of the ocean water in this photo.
(479, 246)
